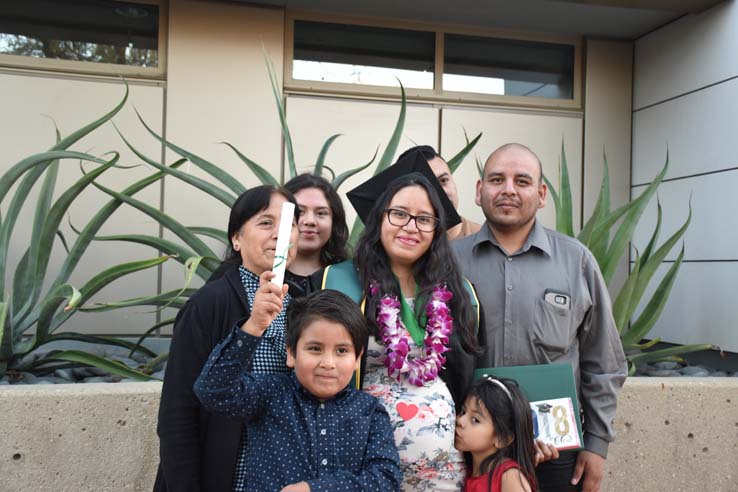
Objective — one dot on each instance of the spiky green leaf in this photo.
(648, 268)
(277, 92)
(6, 336)
(262, 174)
(339, 180)
(601, 209)
(389, 152)
(165, 220)
(94, 225)
(219, 234)
(113, 367)
(218, 193)
(656, 231)
(98, 282)
(455, 161)
(565, 210)
(480, 167)
(623, 299)
(655, 306)
(148, 333)
(100, 340)
(229, 181)
(632, 213)
(551, 191)
(37, 265)
(173, 298)
(48, 307)
(73, 137)
(662, 354)
(320, 161)
(169, 248)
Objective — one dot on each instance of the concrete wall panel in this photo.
(698, 130)
(701, 307)
(710, 235)
(688, 54)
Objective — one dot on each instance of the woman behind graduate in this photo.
(199, 451)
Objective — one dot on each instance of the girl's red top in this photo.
(479, 484)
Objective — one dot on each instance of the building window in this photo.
(103, 31)
(508, 67)
(345, 56)
(363, 55)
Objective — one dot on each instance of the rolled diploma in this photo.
(283, 242)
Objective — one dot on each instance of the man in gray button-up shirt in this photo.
(544, 301)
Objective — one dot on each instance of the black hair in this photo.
(428, 152)
(437, 266)
(248, 204)
(511, 417)
(334, 251)
(331, 305)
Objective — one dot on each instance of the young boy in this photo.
(310, 430)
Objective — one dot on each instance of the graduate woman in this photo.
(422, 349)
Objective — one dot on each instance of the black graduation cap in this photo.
(364, 196)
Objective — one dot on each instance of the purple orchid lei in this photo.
(396, 338)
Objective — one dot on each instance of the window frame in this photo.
(437, 94)
(92, 68)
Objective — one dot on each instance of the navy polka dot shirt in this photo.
(345, 443)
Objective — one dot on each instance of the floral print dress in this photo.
(423, 418)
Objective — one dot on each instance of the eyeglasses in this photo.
(400, 218)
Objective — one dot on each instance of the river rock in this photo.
(695, 371)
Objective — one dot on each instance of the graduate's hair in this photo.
(334, 251)
(436, 267)
(511, 417)
(331, 305)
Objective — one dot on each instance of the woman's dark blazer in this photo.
(198, 450)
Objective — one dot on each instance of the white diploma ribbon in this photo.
(283, 242)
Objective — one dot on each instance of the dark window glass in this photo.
(363, 55)
(508, 67)
(83, 30)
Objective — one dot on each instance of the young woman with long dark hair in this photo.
(322, 224)
(421, 355)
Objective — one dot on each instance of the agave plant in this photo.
(608, 249)
(30, 314)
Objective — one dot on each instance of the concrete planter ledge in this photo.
(674, 434)
(79, 437)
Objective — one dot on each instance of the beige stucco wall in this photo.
(674, 435)
(217, 89)
(607, 129)
(29, 102)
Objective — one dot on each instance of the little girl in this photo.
(495, 431)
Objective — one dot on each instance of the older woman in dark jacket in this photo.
(199, 451)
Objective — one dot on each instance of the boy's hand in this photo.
(296, 487)
(544, 452)
(267, 305)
